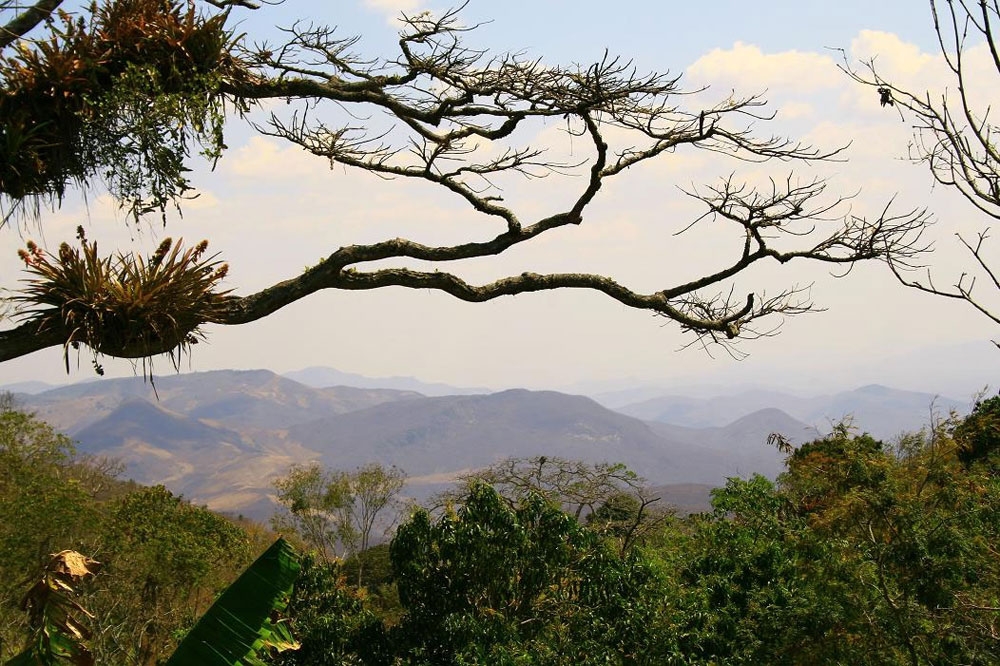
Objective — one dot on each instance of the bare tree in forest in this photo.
(578, 487)
(440, 112)
(954, 134)
(612, 498)
(315, 505)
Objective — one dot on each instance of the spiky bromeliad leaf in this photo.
(125, 306)
(240, 625)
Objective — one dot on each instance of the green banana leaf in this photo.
(241, 623)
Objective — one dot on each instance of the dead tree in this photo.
(954, 135)
(611, 498)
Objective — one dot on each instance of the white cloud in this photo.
(796, 110)
(746, 67)
(393, 9)
(895, 57)
(202, 200)
(264, 157)
(906, 67)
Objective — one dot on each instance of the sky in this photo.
(270, 210)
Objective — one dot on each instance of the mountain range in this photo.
(878, 410)
(220, 438)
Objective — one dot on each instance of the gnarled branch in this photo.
(953, 135)
(461, 119)
(25, 20)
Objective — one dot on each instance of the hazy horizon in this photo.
(958, 382)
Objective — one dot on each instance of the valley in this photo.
(220, 438)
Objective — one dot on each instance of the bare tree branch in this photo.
(577, 486)
(953, 136)
(462, 119)
(25, 20)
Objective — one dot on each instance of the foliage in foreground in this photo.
(243, 624)
(859, 553)
(240, 627)
(164, 560)
(502, 585)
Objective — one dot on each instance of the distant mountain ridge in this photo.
(238, 398)
(29, 387)
(755, 427)
(323, 377)
(136, 418)
(441, 434)
(879, 410)
(221, 437)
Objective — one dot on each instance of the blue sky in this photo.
(661, 35)
(270, 210)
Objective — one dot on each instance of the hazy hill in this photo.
(29, 387)
(138, 419)
(239, 399)
(684, 498)
(221, 437)
(227, 469)
(879, 410)
(158, 446)
(322, 377)
(438, 436)
(740, 446)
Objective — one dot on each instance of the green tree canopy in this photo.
(499, 584)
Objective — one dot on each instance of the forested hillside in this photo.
(164, 559)
(861, 552)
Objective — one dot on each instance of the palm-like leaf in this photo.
(241, 624)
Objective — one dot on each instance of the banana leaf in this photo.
(241, 625)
